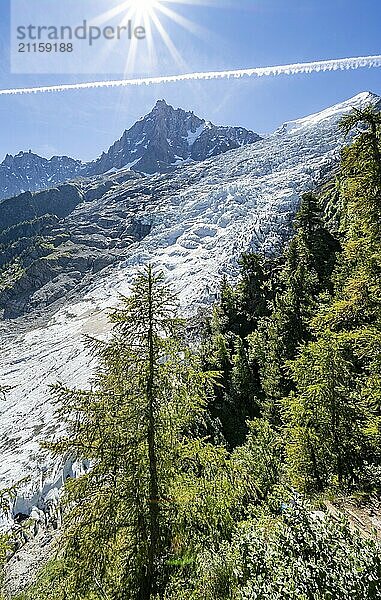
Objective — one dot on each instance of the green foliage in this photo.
(6, 497)
(6, 541)
(238, 396)
(301, 556)
(260, 462)
(325, 437)
(10, 274)
(309, 261)
(333, 419)
(4, 549)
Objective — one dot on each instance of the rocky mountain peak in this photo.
(27, 171)
(167, 137)
(162, 106)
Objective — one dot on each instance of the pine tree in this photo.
(325, 419)
(237, 397)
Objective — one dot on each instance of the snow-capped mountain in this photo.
(167, 137)
(192, 223)
(157, 143)
(29, 172)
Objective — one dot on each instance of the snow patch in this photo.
(192, 136)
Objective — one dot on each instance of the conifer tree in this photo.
(237, 397)
(133, 427)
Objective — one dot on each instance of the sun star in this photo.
(150, 15)
(144, 5)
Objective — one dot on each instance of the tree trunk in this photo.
(148, 586)
(376, 149)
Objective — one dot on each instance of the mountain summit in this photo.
(167, 137)
(157, 143)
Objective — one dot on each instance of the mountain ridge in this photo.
(156, 143)
(55, 240)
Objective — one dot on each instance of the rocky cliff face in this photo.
(157, 143)
(29, 172)
(166, 138)
(51, 243)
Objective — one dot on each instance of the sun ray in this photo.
(182, 21)
(168, 41)
(133, 47)
(152, 55)
(112, 13)
(109, 48)
(211, 3)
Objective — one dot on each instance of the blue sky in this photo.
(242, 34)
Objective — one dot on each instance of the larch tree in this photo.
(133, 428)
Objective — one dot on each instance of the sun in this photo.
(144, 5)
(157, 17)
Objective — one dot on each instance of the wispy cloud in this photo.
(339, 64)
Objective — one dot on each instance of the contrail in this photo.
(339, 64)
